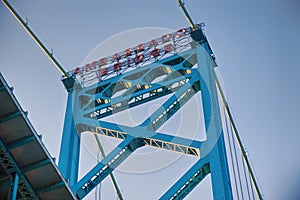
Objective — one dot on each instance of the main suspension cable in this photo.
(36, 39)
(246, 178)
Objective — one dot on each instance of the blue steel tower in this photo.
(186, 62)
(177, 65)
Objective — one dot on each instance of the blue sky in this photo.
(256, 44)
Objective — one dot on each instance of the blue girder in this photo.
(149, 138)
(181, 76)
(188, 181)
(9, 164)
(106, 166)
(99, 101)
(213, 153)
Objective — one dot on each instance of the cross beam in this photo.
(153, 139)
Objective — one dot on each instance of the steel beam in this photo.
(171, 106)
(51, 187)
(10, 166)
(35, 165)
(15, 187)
(2, 88)
(98, 100)
(188, 181)
(106, 166)
(150, 138)
(214, 147)
(10, 117)
(70, 145)
(20, 142)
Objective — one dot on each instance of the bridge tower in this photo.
(177, 65)
(186, 62)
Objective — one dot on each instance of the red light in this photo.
(116, 57)
(102, 62)
(181, 32)
(127, 52)
(128, 62)
(88, 67)
(168, 48)
(139, 58)
(103, 71)
(117, 67)
(76, 71)
(153, 43)
(166, 38)
(154, 53)
(140, 48)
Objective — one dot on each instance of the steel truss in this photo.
(179, 76)
(9, 165)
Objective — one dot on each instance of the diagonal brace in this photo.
(188, 181)
(106, 166)
(172, 105)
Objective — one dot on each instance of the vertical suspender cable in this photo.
(236, 133)
(231, 156)
(237, 163)
(98, 188)
(239, 140)
(246, 178)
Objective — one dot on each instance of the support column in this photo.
(214, 147)
(70, 145)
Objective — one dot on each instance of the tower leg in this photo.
(70, 145)
(214, 146)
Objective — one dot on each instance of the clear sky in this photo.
(256, 44)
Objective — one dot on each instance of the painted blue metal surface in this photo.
(150, 138)
(25, 177)
(10, 165)
(213, 149)
(188, 181)
(139, 87)
(20, 142)
(106, 166)
(215, 140)
(70, 145)
(182, 75)
(15, 187)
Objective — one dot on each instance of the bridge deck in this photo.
(22, 153)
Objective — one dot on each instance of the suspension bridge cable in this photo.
(237, 162)
(113, 179)
(36, 39)
(226, 106)
(246, 178)
(231, 155)
(187, 15)
(239, 140)
(98, 188)
(251, 185)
